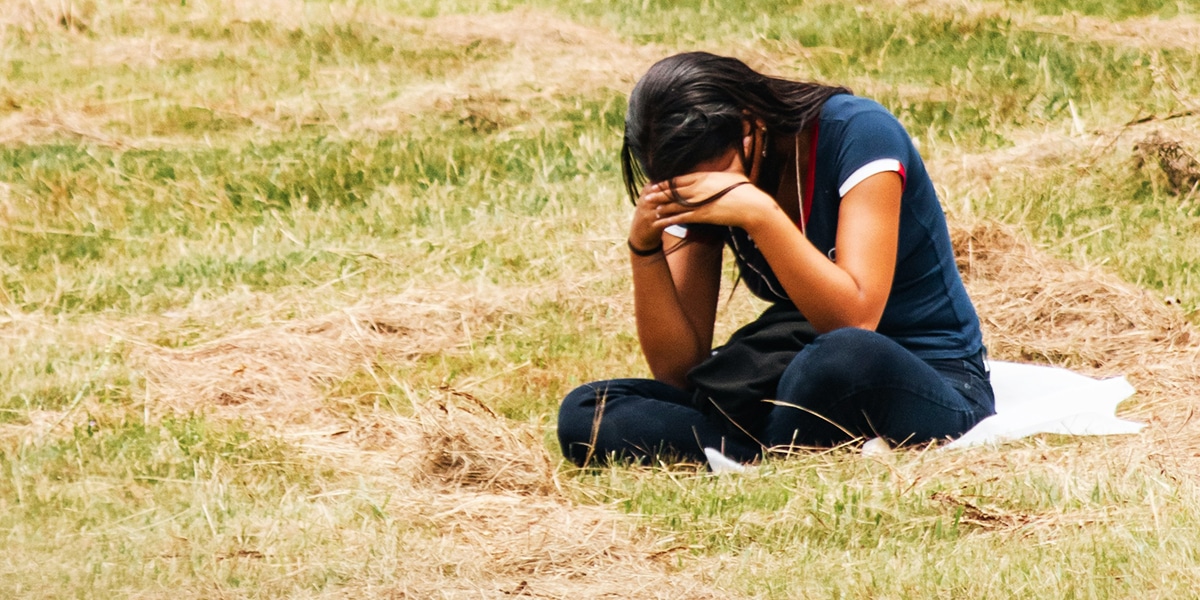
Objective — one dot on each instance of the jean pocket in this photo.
(975, 389)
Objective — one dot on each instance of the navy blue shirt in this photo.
(928, 310)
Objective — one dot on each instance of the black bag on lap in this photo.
(739, 376)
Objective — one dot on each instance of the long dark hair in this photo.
(690, 107)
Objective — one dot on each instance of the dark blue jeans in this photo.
(848, 383)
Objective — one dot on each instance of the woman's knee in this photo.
(577, 413)
(853, 346)
(842, 355)
(580, 398)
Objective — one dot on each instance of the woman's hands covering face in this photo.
(685, 199)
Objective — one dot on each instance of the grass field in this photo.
(290, 291)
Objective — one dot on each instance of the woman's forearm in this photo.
(674, 328)
(853, 291)
(827, 296)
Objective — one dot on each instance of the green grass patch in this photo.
(1112, 213)
(119, 502)
(847, 526)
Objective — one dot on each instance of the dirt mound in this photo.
(1180, 167)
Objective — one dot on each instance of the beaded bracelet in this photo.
(648, 252)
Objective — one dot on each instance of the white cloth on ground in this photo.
(1030, 399)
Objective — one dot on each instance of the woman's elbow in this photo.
(867, 311)
(673, 368)
(868, 320)
(673, 374)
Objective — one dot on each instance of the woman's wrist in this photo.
(644, 252)
(770, 216)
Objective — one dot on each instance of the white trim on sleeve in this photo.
(679, 231)
(874, 167)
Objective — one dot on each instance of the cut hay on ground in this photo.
(463, 447)
(1036, 308)
(486, 486)
(485, 511)
(285, 367)
(500, 523)
(1179, 32)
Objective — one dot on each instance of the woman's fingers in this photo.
(652, 214)
(693, 190)
(682, 199)
(657, 198)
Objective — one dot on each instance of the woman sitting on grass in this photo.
(830, 215)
